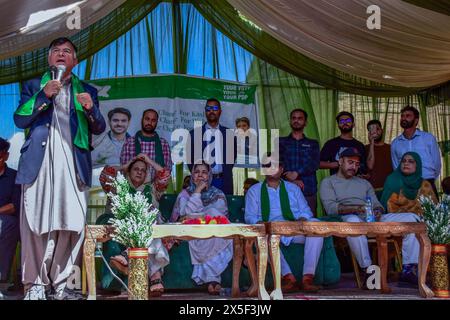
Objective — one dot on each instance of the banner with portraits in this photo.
(180, 101)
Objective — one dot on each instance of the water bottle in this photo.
(370, 216)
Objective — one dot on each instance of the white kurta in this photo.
(57, 200)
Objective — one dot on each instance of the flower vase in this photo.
(439, 271)
(138, 274)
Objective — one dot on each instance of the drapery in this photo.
(25, 56)
(175, 37)
(441, 6)
(339, 60)
(244, 32)
(410, 50)
(22, 30)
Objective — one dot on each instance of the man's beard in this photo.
(298, 128)
(212, 118)
(346, 129)
(406, 124)
(148, 130)
(379, 139)
(350, 173)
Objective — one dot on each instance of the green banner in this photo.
(174, 86)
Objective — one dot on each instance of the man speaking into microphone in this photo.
(59, 113)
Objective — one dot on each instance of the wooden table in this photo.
(235, 231)
(381, 230)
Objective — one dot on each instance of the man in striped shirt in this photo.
(148, 142)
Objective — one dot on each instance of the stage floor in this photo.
(345, 290)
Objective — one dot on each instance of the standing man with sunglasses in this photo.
(214, 139)
(329, 155)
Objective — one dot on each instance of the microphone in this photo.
(57, 72)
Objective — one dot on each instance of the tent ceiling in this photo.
(326, 42)
(23, 26)
(24, 55)
(441, 6)
(412, 48)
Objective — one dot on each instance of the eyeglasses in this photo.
(212, 108)
(344, 121)
(66, 51)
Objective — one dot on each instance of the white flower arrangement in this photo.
(134, 216)
(437, 219)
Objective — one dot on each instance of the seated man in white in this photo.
(345, 194)
(279, 200)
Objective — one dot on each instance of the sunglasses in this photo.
(344, 121)
(212, 108)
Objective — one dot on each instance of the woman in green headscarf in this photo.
(405, 185)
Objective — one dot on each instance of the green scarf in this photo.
(409, 185)
(147, 192)
(81, 138)
(284, 201)
(159, 158)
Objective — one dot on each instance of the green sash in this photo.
(81, 139)
(284, 201)
(159, 158)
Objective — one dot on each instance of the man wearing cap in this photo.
(329, 155)
(213, 137)
(345, 194)
(59, 114)
(107, 148)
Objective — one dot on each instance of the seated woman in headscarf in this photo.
(136, 173)
(405, 185)
(210, 257)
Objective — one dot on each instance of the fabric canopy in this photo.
(22, 30)
(442, 6)
(23, 50)
(244, 32)
(325, 42)
(410, 50)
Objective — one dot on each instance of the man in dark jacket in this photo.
(59, 113)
